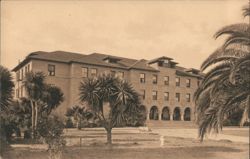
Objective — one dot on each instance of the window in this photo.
(21, 91)
(177, 81)
(154, 95)
(84, 72)
(120, 75)
(198, 83)
(93, 72)
(51, 70)
(113, 73)
(21, 78)
(17, 93)
(166, 61)
(177, 97)
(18, 75)
(28, 68)
(166, 80)
(188, 97)
(142, 78)
(166, 96)
(188, 82)
(154, 79)
(25, 70)
(143, 94)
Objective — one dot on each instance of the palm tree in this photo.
(6, 86)
(43, 97)
(35, 86)
(51, 99)
(226, 85)
(79, 114)
(6, 95)
(110, 99)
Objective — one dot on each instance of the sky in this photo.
(182, 30)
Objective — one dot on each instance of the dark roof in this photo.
(99, 60)
(160, 59)
(94, 59)
(184, 73)
(58, 56)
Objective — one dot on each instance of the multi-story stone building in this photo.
(166, 89)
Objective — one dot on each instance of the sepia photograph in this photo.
(125, 79)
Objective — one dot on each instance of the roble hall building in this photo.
(166, 89)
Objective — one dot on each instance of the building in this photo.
(166, 89)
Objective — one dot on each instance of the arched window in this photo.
(177, 114)
(153, 115)
(187, 114)
(165, 114)
(143, 111)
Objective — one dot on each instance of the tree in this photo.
(43, 97)
(52, 98)
(34, 84)
(79, 114)
(110, 99)
(226, 86)
(6, 86)
(19, 116)
(51, 129)
(6, 95)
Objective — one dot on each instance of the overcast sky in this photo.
(182, 30)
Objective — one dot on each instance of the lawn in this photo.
(204, 151)
(130, 144)
(244, 133)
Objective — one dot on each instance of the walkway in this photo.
(193, 133)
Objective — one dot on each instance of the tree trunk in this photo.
(109, 136)
(36, 116)
(79, 126)
(245, 115)
(32, 119)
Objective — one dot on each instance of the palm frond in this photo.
(242, 40)
(240, 29)
(220, 54)
(246, 11)
(243, 64)
(35, 84)
(52, 98)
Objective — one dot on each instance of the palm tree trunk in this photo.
(245, 115)
(36, 116)
(79, 124)
(32, 119)
(109, 136)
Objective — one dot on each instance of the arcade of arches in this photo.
(166, 113)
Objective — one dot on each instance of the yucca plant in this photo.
(110, 99)
(42, 97)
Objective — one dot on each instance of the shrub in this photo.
(69, 123)
(51, 130)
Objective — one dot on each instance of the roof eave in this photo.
(26, 60)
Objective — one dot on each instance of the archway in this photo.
(143, 111)
(177, 114)
(187, 114)
(153, 115)
(165, 114)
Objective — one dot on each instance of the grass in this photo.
(243, 133)
(134, 145)
(95, 152)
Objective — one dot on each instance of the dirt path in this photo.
(193, 133)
